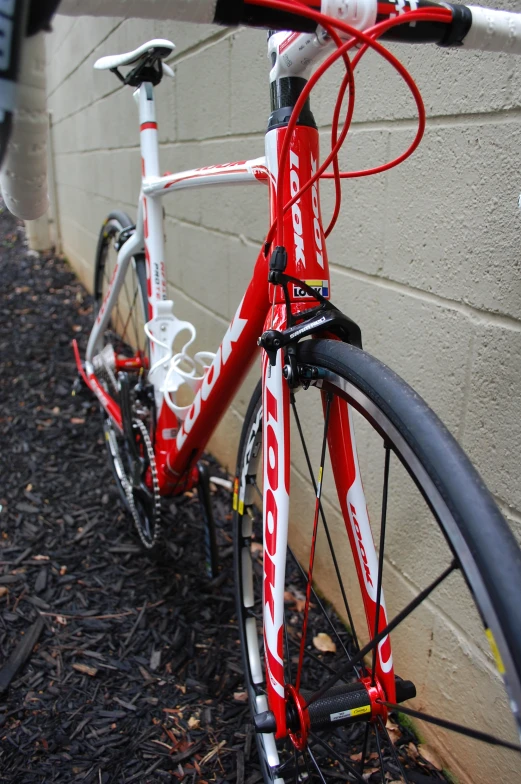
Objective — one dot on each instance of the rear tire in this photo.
(125, 337)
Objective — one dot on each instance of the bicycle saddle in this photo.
(158, 47)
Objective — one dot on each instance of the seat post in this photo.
(148, 131)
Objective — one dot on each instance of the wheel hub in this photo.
(341, 705)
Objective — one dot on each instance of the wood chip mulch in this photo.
(137, 663)
(113, 669)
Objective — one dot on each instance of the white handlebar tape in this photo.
(494, 31)
(23, 179)
(202, 11)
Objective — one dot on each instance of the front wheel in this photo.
(450, 570)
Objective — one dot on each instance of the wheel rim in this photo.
(326, 756)
(125, 330)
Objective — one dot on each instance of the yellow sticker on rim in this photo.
(235, 493)
(495, 652)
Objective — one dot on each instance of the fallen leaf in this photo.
(358, 757)
(324, 643)
(77, 421)
(3, 591)
(430, 755)
(86, 669)
(40, 557)
(298, 600)
(412, 751)
(240, 696)
(394, 731)
(61, 619)
(193, 723)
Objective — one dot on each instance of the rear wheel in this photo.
(451, 576)
(121, 363)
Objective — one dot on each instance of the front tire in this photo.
(437, 510)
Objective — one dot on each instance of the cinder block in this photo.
(425, 343)
(250, 97)
(492, 431)
(451, 82)
(358, 239)
(204, 273)
(77, 42)
(452, 222)
(203, 93)
(238, 209)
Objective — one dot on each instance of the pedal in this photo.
(210, 538)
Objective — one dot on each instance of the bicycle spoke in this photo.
(387, 630)
(315, 763)
(134, 318)
(129, 316)
(287, 641)
(383, 520)
(315, 658)
(322, 608)
(257, 488)
(379, 750)
(304, 757)
(364, 748)
(337, 756)
(326, 527)
(450, 725)
(313, 541)
(393, 750)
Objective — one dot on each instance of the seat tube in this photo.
(152, 210)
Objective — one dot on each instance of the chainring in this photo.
(144, 503)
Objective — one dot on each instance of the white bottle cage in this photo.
(173, 371)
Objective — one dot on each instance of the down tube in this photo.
(233, 359)
(344, 460)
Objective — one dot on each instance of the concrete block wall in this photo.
(425, 257)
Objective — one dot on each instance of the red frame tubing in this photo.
(343, 455)
(233, 360)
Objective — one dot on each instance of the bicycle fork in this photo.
(293, 711)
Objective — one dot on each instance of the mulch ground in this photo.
(137, 663)
(113, 669)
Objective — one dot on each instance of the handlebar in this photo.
(23, 179)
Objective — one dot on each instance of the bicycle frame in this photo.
(179, 444)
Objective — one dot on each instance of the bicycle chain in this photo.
(155, 486)
(127, 487)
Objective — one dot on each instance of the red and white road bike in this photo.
(440, 533)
